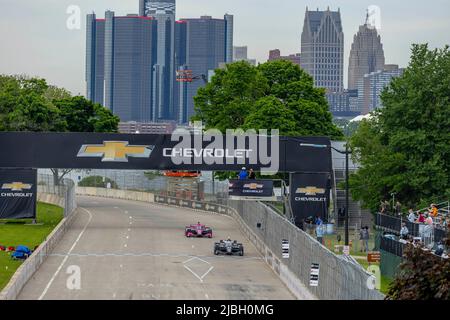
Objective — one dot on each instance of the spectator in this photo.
(421, 218)
(404, 232)
(446, 223)
(388, 206)
(429, 220)
(433, 210)
(411, 216)
(252, 174)
(382, 207)
(243, 174)
(318, 221)
(319, 233)
(398, 208)
(440, 249)
(361, 239)
(366, 236)
(301, 224)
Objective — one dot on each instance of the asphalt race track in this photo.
(136, 250)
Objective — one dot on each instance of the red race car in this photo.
(198, 230)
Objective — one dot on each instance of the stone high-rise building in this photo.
(322, 49)
(276, 55)
(366, 54)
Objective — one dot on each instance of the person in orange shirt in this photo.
(434, 210)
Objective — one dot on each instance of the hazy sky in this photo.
(35, 40)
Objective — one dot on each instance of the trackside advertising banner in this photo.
(199, 152)
(250, 188)
(18, 193)
(310, 195)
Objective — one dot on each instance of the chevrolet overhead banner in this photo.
(164, 152)
(18, 193)
(250, 188)
(310, 195)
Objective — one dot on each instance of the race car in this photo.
(228, 247)
(198, 230)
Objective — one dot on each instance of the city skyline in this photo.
(52, 52)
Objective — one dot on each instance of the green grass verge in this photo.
(385, 281)
(16, 232)
(331, 240)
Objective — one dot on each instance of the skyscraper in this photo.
(202, 45)
(240, 54)
(163, 11)
(95, 58)
(366, 54)
(322, 49)
(120, 55)
(371, 85)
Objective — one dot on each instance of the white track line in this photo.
(151, 254)
(195, 274)
(66, 257)
(199, 278)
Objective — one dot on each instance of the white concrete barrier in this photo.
(116, 194)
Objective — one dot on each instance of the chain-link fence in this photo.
(339, 278)
(64, 190)
(201, 188)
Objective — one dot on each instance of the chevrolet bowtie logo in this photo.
(253, 186)
(17, 186)
(115, 151)
(310, 191)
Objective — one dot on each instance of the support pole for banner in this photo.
(346, 194)
(213, 184)
(347, 152)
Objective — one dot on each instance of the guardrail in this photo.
(58, 195)
(339, 278)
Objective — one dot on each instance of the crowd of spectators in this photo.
(428, 219)
(431, 216)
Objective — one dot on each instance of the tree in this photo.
(274, 95)
(422, 276)
(270, 112)
(55, 93)
(404, 148)
(98, 182)
(226, 101)
(82, 115)
(24, 108)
